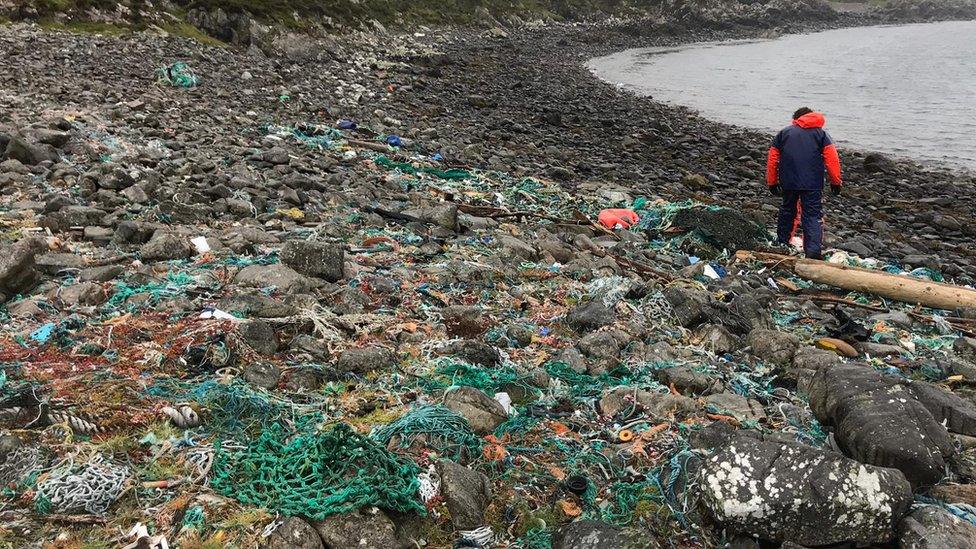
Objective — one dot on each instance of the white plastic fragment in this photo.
(200, 244)
(506, 401)
(213, 312)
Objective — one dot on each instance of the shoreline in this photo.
(959, 167)
(639, 146)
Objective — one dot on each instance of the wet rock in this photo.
(256, 305)
(879, 163)
(368, 527)
(931, 527)
(8, 443)
(738, 406)
(878, 421)
(262, 374)
(463, 321)
(521, 336)
(590, 316)
(772, 346)
(726, 229)
(689, 381)
(276, 276)
(317, 259)
(482, 412)
(473, 351)
(17, 272)
(796, 493)
(588, 534)
(466, 492)
(806, 362)
(165, 247)
(514, 248)
(259, 335)
(366, 360)
(294, 533)
(965, 347)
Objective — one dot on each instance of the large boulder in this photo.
(931, 527)
(688, 380)
(463, 320)
(801, 494)
(17, 272)
(467, 494)
(691, 307)
(876, 420)
(482, 412)
(953, 411)
(29, 154)
(165, 246)
(317, 259)
(472, 351)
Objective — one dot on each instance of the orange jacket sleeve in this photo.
(832, 161)
(772, 166)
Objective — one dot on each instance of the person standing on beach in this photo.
(798, 159)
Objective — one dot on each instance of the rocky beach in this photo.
(348, 290)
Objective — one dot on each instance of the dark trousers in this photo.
(811, 220)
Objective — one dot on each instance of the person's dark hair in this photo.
(801, 111)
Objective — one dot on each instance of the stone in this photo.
(262, 374)
(716, 339)
(965, 347)
(691, 307)
(466, 492)
(278, 276)
(27, 153)
(632, 399)
(87, 294)
(877, 421)
(773, 347)
(879, 163)
(589, 534)
(738, 406)
(931, 527)
(259, 335)
(294, 533)
(590, 316)
(365, 360)
(316, 259)
(304, 379)
(17, 267)
(897, 319)
(795, 493)
(515, 249)
(101, 274)
(599, 345)
(688, 381)
(463, 321)
(949, 409)
(165, 247)
(368, 528)
(473, 352)
(955, 493)
(482, 412)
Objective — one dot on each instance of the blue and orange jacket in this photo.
(801, 154)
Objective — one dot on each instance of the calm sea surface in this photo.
(907, 90)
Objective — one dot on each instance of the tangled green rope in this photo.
(316, 474)
(435, 426)
(454, 174)
(177, 75)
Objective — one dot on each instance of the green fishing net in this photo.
(435, 426)
(315, 473)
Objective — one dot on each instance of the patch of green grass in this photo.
(86, 27)
(186, 30)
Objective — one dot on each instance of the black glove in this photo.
(835, 189)
(775, 190)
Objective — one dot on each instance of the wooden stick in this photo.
(906, 289)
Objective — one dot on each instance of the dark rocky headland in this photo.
(335, 282)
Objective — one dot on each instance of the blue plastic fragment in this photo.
(42, 334)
